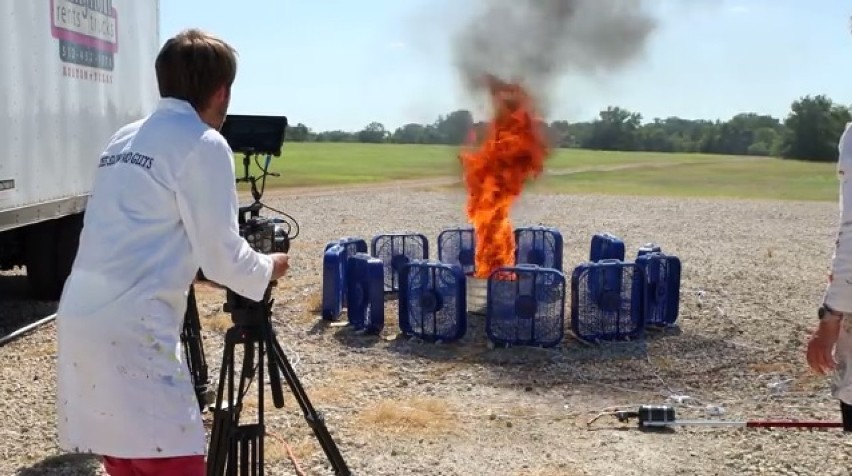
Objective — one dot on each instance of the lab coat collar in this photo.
(176, 105)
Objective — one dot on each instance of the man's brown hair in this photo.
(192, 65)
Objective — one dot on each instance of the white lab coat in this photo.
(163, 205)
(838, 295)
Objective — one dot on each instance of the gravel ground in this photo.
(753, 273)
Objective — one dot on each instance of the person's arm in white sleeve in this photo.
(837, 300)
(838, 295)
(207, 199)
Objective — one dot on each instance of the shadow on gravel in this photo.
(64, 465)
(667, 361)
(18, 309)
(357, 340)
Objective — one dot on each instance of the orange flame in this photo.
(512, 151)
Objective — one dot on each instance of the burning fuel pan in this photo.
(477, 295)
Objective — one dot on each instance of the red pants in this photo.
(181, 466)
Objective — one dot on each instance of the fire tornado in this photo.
(512, 151)
(529, 46)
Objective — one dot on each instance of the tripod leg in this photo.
(223, 418)
(194, 349)
(315, 419)
(253, 450)
(237, 449)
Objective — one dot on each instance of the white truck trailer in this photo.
(71, 73)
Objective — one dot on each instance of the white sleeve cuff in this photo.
(255, 286)
(839, 297)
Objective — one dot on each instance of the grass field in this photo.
(763, 178)
(569, 171)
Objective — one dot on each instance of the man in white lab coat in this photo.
(163, 205)
(830, 348)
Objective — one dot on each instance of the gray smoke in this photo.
(536, 42)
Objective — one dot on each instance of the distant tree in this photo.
(298, 133)
(374, 133)
(813, 129)
(615, 129)
(455, 127)
(810, 132)
(335, 136)
(409, 134)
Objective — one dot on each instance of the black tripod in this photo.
(238, 448)
(194, 350)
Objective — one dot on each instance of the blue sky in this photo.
(335, 64)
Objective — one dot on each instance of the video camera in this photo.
(253, 136)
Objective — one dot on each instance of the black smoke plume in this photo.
(536, 42)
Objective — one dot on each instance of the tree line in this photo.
(810, 131)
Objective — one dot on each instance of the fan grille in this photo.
(526, 306)
(540, 246)
(432, 301)
(606, 300)
(397, 250)
(661, 295)
(457, 246)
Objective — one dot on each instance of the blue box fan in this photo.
(458, 246)
(526, 306)
(365, 288)
(333, 281)
(433, 301)
(539, 245)
(606, 246)
(661, 296)
(351, 245)
(606, 300)
(648, 248)
(395, 250)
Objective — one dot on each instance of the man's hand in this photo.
(821, 346)
(280, 265)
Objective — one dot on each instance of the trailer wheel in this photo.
(50, 250)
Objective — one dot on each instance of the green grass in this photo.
(745, 178)
(307, 164)
(311, 164)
